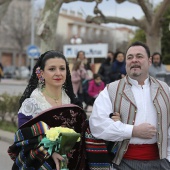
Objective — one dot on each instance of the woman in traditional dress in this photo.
(49, 86)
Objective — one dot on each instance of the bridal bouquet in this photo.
(60, 140)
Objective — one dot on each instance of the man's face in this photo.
(156, 60)
(137, 63)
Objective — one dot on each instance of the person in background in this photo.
(1, 71)
(142, 104)
(49, 86)
(78, 75)
(118, 70)
(81, 57)
(156, 66)
(105, 67)
(95, 87)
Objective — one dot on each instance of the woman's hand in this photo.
(122, 75)
(57, 158)
(115, 116)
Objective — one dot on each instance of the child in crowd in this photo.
(95, 87)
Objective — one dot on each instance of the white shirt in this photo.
(103, 127)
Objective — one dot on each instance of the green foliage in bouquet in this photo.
(68, 140)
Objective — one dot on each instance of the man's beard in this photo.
(136, 74)
(156, 64)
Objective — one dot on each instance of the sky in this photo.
(108, 7)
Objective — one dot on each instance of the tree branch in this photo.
(145, 5)
(131, 1)
(2, 2)
(68, 1)
(109, 19)
(160, 12)
(97, 11)
(3, 7)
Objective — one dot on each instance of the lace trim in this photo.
(37, 103)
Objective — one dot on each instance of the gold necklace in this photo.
(54, 98)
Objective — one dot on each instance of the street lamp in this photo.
(32, 22)
(75, 40)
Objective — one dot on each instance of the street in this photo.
(5, 161)
(12, 87)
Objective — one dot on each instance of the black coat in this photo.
(104, 71)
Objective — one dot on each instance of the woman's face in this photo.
(54, 72)
(81, 56)
(120, 57)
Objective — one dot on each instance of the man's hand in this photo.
(115, 116)
(57, 158)
(144, 130)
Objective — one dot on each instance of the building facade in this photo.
(15, 38)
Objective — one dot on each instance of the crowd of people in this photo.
(86, 84)
(130, 108)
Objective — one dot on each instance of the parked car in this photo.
(22, 73)
(9, 72)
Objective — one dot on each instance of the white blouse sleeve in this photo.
(30, 107)
(102, 126)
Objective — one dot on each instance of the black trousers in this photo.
(160, 164)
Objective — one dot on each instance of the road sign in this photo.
(33, 51)
(98, 50)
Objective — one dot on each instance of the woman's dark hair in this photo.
(79, 53)
(95, 76)
(111, 52)
(33, 82)
(117, 53)
(76, 65)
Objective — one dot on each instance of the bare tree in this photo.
(16, 26)
(3, 7)
(60, 41)
(48, 23)
(150, 23)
